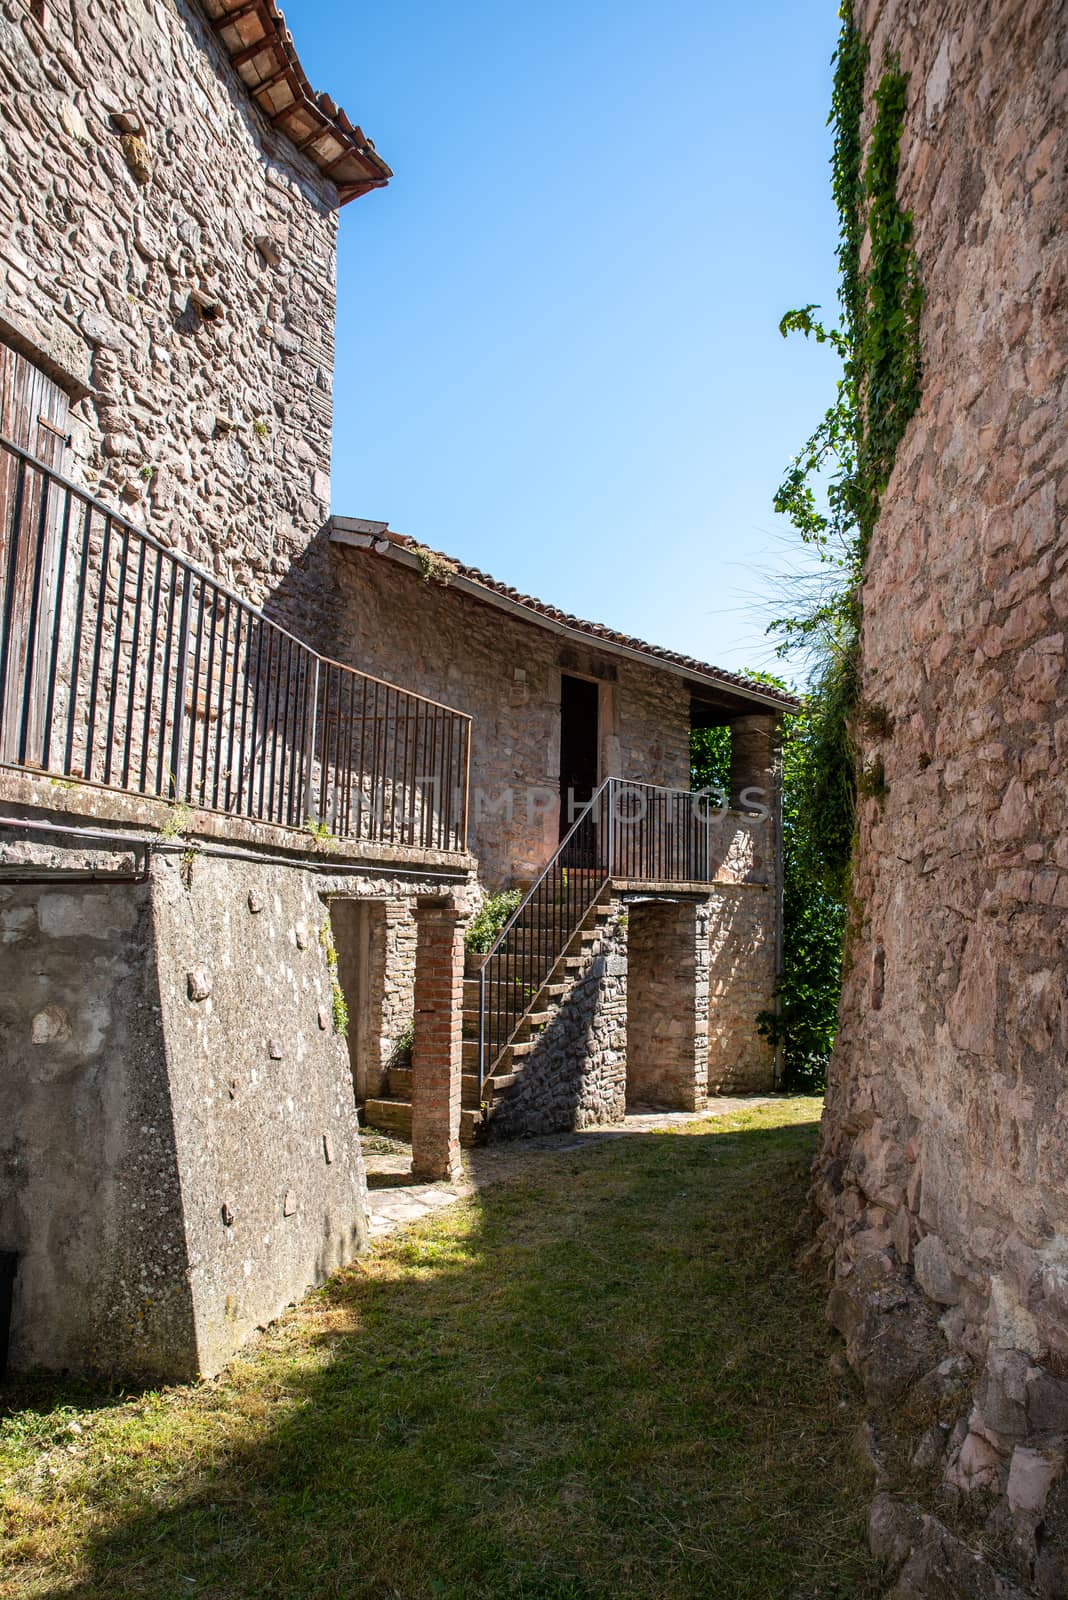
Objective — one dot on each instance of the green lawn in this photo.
(605, 1378)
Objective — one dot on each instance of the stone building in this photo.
(244, 784)
(558, 706)
(942, 1181)
(178, 1137)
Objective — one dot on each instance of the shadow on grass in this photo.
(604, 1378)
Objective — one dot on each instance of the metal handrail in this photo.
(124, 666)
(575, 826)
(671, 841)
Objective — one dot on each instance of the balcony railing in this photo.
(123, 665)
(634, 832)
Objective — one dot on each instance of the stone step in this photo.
(471, 1123)
(515, 1052)
(533, 1021)
(400, 1083)
(501, 1084)
(391, 1116)
(529, 969)
(553, 989)
(400, 1087)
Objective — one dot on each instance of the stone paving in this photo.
(395, 1200)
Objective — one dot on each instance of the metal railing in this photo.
(125, 666)
(635, 831)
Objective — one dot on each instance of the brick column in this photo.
(436, 1051)
(754, 760)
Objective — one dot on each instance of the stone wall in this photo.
(667, 1004)
(741, 983)
(214, 433)
(179, 1156)
(941, 1180)
(505, 672)
(577, 1076)
(664, 1013)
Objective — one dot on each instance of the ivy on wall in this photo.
(833, 490)
(832, 493)
(803, 1021)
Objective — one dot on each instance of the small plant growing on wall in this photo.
(401, 1054)
(325, 840)
(338, 1003)
(485, 927)
(177, 822)
(434, 568)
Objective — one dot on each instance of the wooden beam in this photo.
(346, 155)
(219, 23)
(250, 52)
(269, 83)
(324, 126)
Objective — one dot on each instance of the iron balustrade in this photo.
(125, 666)
(630, 831)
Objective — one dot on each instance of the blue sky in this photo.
(558, 354)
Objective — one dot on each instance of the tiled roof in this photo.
(260, 46)
(564, 619)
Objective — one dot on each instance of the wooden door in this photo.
(34, 415)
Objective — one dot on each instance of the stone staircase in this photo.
(393, 1113)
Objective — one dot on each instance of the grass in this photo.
(602, 1378)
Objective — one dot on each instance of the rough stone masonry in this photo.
(179, 278)
(942, 1180)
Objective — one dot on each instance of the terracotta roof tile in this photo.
(254, 35)
(597, 630)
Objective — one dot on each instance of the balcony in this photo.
(125, 668)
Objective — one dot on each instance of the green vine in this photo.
(832, 491)
(889, 357)
(337, 995)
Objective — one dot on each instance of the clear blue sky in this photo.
(558, 354)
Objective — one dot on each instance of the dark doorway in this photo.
(359, 932)
(578, 746)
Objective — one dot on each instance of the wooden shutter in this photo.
(34, 415)
(33, 409)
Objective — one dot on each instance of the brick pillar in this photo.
(754, 761)
(436, 1051)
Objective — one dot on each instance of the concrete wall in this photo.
(214, 436)
(505, 672)
(179, 1155)
(945, 1139)
(261, 1093)
(90, 1194)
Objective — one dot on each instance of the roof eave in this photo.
(260, 47)
(349, 531)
